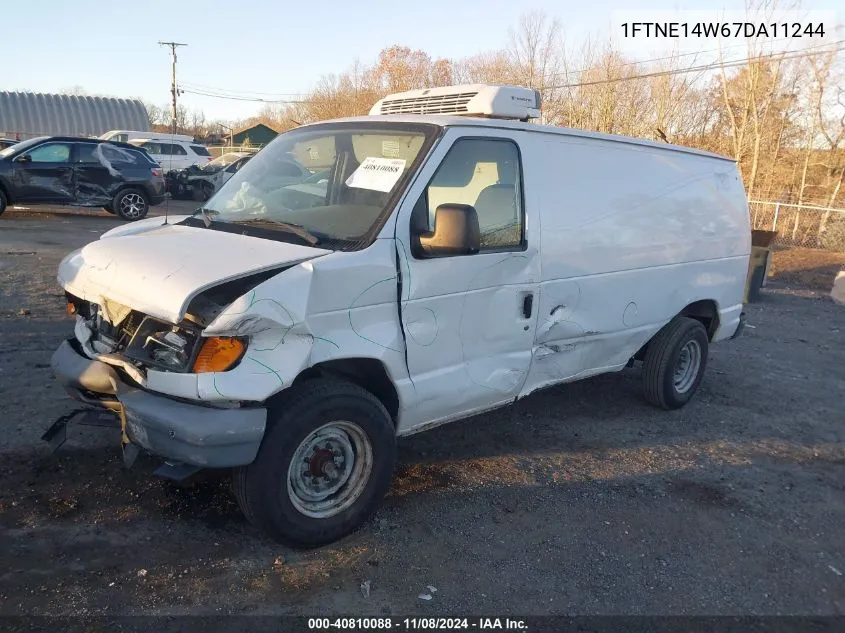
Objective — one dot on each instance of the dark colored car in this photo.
(121, 178)
(7, 142)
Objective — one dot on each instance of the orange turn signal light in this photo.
(218, 354)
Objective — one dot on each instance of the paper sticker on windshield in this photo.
(390, 149)
(378, 174)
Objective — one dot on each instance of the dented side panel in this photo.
(469, 338)
(96, 178)
(653, 233)
(42, 182)
(339, 306)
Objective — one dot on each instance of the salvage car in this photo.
(200, 182)
(457, 262)
(84, 172)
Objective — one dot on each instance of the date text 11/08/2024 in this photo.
(774, 30)
(432, 623)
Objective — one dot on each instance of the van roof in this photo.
(467, 121)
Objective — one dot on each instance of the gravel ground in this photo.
(581, 499)
(807, 267)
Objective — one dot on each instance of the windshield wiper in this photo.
(206, 215)
(288, 227)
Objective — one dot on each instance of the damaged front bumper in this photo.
(191, 434)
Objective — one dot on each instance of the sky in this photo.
(266, 46)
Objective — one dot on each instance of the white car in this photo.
(174, 153)
(205, 180)
(439, 267)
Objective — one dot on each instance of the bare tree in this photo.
(536, 56)
(782, 117)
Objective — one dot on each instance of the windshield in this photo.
(335, 181)
(20, 147)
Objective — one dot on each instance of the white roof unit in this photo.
(481, 100)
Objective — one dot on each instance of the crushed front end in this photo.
(108, 361)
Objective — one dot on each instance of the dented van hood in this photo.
(158, 269)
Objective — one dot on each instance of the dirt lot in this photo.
(579, 500)
(806, 267)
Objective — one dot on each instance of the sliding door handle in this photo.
(527, 305)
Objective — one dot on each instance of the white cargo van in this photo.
(124, 136)
(443, 257)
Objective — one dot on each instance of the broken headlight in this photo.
(169, 349)
(162, 345)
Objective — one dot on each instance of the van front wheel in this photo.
(324, 466)
(674, 363)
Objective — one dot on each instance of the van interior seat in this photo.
(496, 206)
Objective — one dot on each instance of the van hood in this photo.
(157, 270)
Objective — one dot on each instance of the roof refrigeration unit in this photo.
(475, 100)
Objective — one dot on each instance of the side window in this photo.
(51, 153)
(486, 174)
(85, 153)
(177, 150)
(114, 156)
(231, 169)
(142, 160)
(200, 150)
(152, 148)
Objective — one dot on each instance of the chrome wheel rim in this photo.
(132, 205)
(686, 369)
(330, 469)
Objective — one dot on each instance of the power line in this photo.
(678, 55)
(691, 69)
(205, 88)
(241, 98)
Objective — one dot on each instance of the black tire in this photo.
(666, 383)
(265, 488)
(109, 209)
(131, 204)
(3, 201)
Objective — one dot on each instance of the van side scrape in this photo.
(335, 307)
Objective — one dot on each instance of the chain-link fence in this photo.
(800, 224)
(219, 150)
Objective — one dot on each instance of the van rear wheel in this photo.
(674, 363)
(324, 466)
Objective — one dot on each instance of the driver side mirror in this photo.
(456, 232)
(24, 158)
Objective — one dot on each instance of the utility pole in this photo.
(173, 91)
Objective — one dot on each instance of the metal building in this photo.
(27, 114)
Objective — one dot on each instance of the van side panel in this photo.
(339, 306)
(630, 236)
